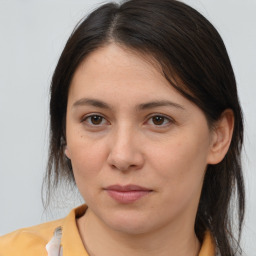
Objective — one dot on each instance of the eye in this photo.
(95, 120)
(159, 120)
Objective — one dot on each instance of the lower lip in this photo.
(127, 197)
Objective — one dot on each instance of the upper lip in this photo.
(125, 188)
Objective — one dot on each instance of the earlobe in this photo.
(222, 135)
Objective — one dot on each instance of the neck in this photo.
(166, 241)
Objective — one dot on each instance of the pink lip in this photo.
(128, 193)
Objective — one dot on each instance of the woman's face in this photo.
(138, 148)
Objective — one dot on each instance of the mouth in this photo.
(128, 193)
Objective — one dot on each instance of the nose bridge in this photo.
(125, 151)
(123, 135)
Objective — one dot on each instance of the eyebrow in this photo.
(159, 103)
(91, 102)
(143, 106)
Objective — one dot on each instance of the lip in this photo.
(128, 193)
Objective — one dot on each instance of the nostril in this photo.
(124, 167)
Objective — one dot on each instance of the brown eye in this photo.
(158, 120)
(95, 120)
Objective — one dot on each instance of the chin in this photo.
(130, 224)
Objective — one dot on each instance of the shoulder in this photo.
(28, 241)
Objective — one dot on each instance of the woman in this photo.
(146, 120)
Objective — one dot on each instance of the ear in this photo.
(221, 137)
(66, 152)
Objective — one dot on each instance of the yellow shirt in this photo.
(32, 241)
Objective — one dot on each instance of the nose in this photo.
(125, 150)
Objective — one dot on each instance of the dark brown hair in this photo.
(194, 60)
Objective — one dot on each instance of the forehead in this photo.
(114, 68)
(122, 59)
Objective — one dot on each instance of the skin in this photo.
(127, 144)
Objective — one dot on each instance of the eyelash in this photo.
(167, 120)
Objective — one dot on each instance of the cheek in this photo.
(180, 172)
(181, 163)
(86, 165)
(87, 158)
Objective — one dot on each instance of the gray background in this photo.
(32, 36)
